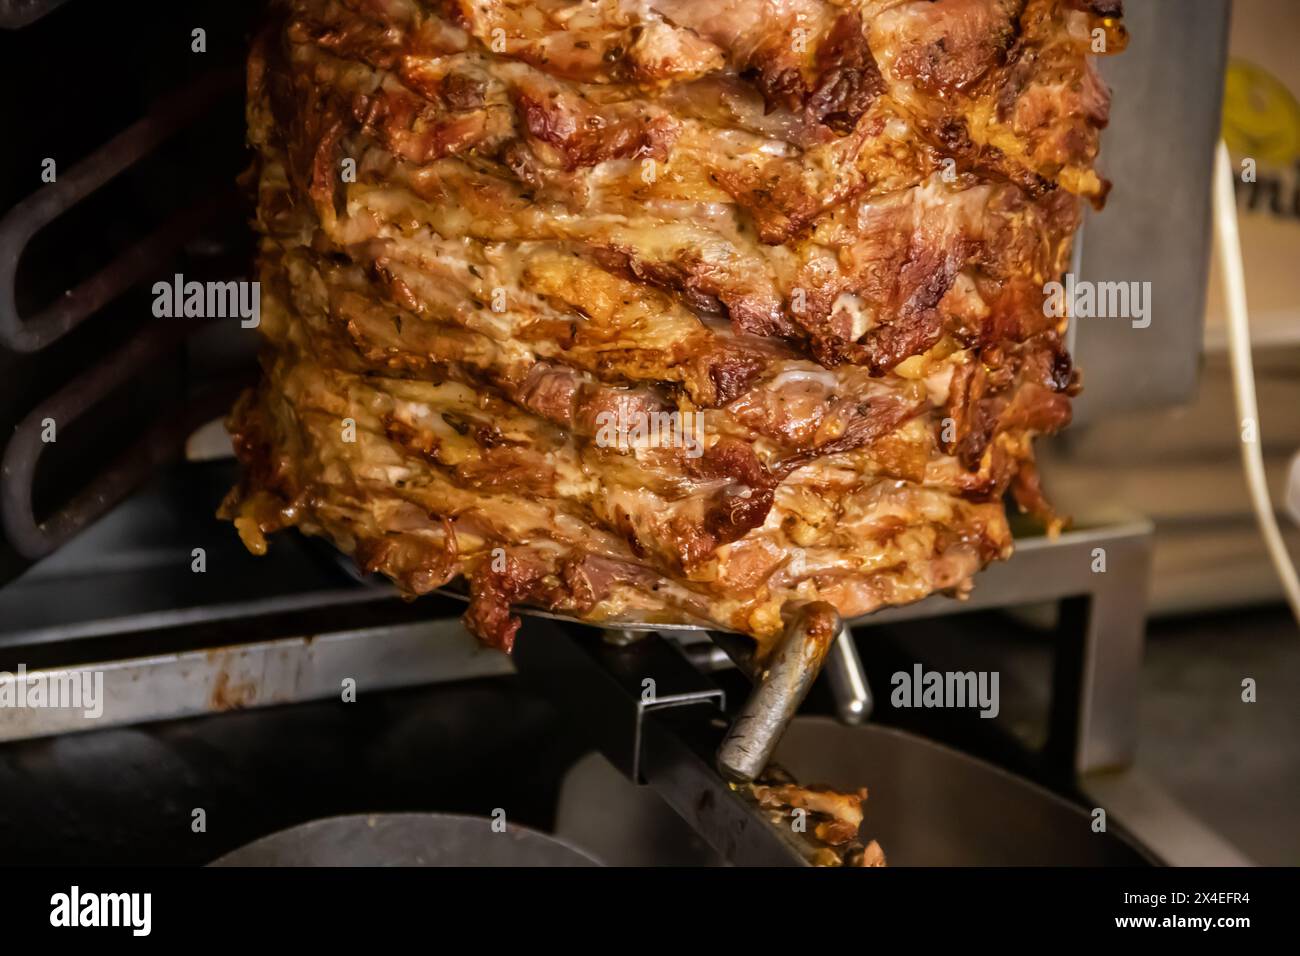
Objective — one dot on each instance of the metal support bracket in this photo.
(1099, 577)
(669, 748)
(616, 690)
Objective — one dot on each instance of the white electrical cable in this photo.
(1228, 249)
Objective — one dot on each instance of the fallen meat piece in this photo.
(826, 821)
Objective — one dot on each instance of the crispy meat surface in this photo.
(827, 822)
(683, 310)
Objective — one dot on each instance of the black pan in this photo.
(930, 805)
(405, 839)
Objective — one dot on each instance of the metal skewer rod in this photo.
(782, 680)
(848, 680)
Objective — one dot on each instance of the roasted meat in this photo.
(825, 822)
(669, 309)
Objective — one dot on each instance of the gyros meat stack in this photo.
(666, 310)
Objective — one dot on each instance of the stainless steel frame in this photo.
(1158, 152)
(1094, 694)
(1093, 719)
(1099, 640)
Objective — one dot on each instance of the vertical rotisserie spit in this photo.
(668, 309)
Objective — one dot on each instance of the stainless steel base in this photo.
(224, 665)
(219, 668)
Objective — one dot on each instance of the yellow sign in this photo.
(1261, 118)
